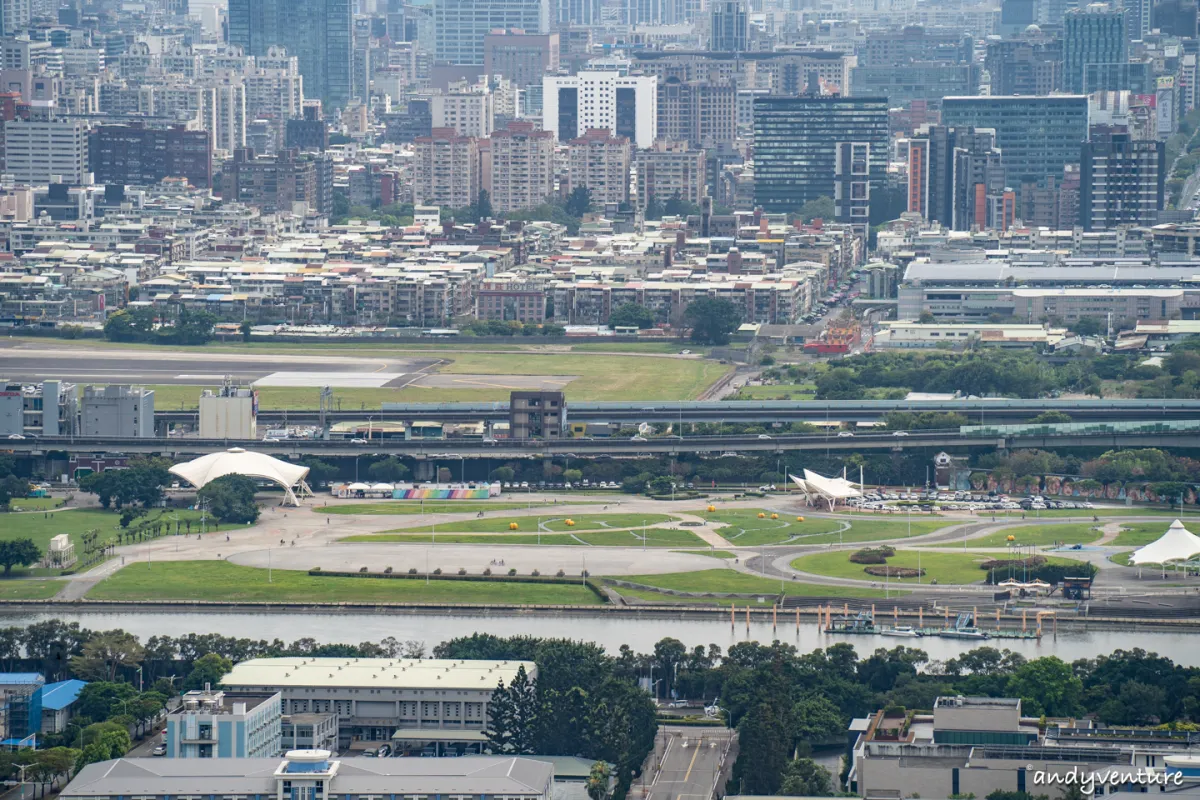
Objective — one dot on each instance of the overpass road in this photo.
(456, 449)
(690, 761)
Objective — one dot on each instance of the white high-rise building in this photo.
(624, 105)
(471, 111)
(43, 149)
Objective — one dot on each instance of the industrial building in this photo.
(20, 708)
(23, 409)
(420, 705)
(229, 413)
(212, 723)
(125, 411)
(315, 774)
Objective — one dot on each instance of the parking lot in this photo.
(932, 502)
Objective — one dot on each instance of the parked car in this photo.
(159, 750)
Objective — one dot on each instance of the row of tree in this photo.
(180, 325)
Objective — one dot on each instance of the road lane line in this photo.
(688, 774)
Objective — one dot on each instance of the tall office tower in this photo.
(1026, 66)
(955, 177)
(1037, 135)
(600, 161)
(1176, 18)
(1094, 49)
(810, 147)
(1138, 17)
(459, 26)
(621, 104)
(578, 12)
(730, 30)
(1122, 180)
(523, 58)
(445, 169)
(522, 166)
(317, 32)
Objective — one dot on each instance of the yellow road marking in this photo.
(688, 774)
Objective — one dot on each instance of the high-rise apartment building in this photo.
(600, 161)
(1094, 48)
(470, 111)
(1122, 180)
(729, 26)
(1037, 135)
(523, 58)
(955, 176)
(667, 170)
(45, 148)
(460, 25)
(317, 32)
(522, 166)
(811, 147)
(702, 113)
(137, 155)
(275, 183)
(445, 169)
(15, 16)
(623, 105)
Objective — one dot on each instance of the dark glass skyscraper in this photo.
(318, 32)
(810, 147)
(1094, 49)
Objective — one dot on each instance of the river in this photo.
(610, 631)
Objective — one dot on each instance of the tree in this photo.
(483, 205)
(101, 699)
(319, 472)
(18, 552)
(389, 470)
(502, 474)
(818, 720)
(676, 206)
(11, 486)
(1088, 326)
(654, 209)
(599, 782)
(572, 475)
(1046, 686)
(817, 208)
(631, 315)
(764, 747)
(230, 498)
(245, 329)
(1050, 418)
(106, 653)
(712, 320)
(805, 777)
(926, 317)
(579, 201)
(208, 669)
(130, 324)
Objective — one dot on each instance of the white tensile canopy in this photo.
(831, 490)
(1177, 544)
(237, 461)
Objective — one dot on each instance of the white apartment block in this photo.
(225, 115)
(470, 112)
(15, 15)
(43, 150)
(624, 105)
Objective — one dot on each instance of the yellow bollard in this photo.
(799, 519)
(570, 523)
(712, 509)
(512, 526)
(761, 515)
(774, 516)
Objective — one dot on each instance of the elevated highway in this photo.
(454, 449)
(979, 411)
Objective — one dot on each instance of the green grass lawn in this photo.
(782, 391)
(428, 507)
(557, 522)
(1121, 558)
(655, 537)
(1136, 534)
(732, 581)
(220, 580)
(1069, 533)
(599, 377)
(945, 568)
(745, 529)
(35, 503)
(28, 589)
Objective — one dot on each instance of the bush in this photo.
(387, 570)
(512, 572)
(894, 572)
(412, 570)
(535, 573)
(315, 569)
(362, 569)
(487, 571)
(560, 574)
(462, 570)
(437, 571)
(585, 574)
(872, 555)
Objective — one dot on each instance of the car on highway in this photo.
(900, 433)
(159, 750)
(358, 441)
(15, 436)
(765, 436)
(845, 435)
(637, 438)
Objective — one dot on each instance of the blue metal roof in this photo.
(20, 678)
(57, 696)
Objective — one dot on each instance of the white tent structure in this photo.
(831, 490)
(237, 461)
(1177, 544)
